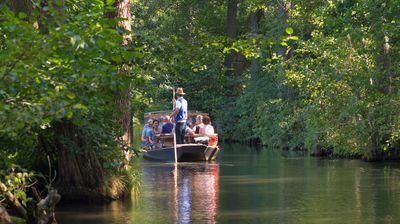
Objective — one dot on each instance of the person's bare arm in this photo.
(176, 111)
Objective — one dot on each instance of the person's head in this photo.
(166, 119)
(206, 120)
(156, 123)
(199, 119)
(150, 121)
(179, 92)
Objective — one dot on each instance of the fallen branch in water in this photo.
(45, 208)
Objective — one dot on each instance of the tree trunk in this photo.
(229, 60)
(24, 6)
(235, 62)
(231, 19)
(254, 20)
(47, 18)
(123, 97)
(80, 172)
(387, 64)
(284, 7)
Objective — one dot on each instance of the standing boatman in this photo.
(180, 115)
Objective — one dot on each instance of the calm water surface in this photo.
(247, 185)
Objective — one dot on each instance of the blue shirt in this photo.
(167, 128)
(183, 106)
(148, 131)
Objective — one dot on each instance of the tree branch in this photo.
(13, 201)
(9, 69)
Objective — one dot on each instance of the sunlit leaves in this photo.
(15, 181)
(289, 30)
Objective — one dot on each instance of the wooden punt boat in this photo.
(184, 152)
(198, 148)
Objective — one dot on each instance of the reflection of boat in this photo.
(199, 148)
(188, 192)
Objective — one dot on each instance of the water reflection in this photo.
(190, 190)
(256, 186)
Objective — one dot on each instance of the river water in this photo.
(249, 185)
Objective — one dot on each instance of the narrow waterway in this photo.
(249, 185)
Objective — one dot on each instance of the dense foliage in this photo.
(344, 78)
(316, 74)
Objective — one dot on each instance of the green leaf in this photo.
(22, 15)
(71, 96)
(116, 58)
(70, 114)
(294, 37)
(134, 54)
(289, 30)
(284, 44)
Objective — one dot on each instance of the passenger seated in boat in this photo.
(199, 124)
(157, 132)
(148, 135)
(189, 129)
(156, 127)
(167, 125)
(207, 129)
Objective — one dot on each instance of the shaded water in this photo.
(247, 185)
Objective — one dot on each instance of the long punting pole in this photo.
(176, 163)
(173, 107)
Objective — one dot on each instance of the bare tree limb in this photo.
(36, 194)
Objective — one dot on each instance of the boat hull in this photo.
(185, 153)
